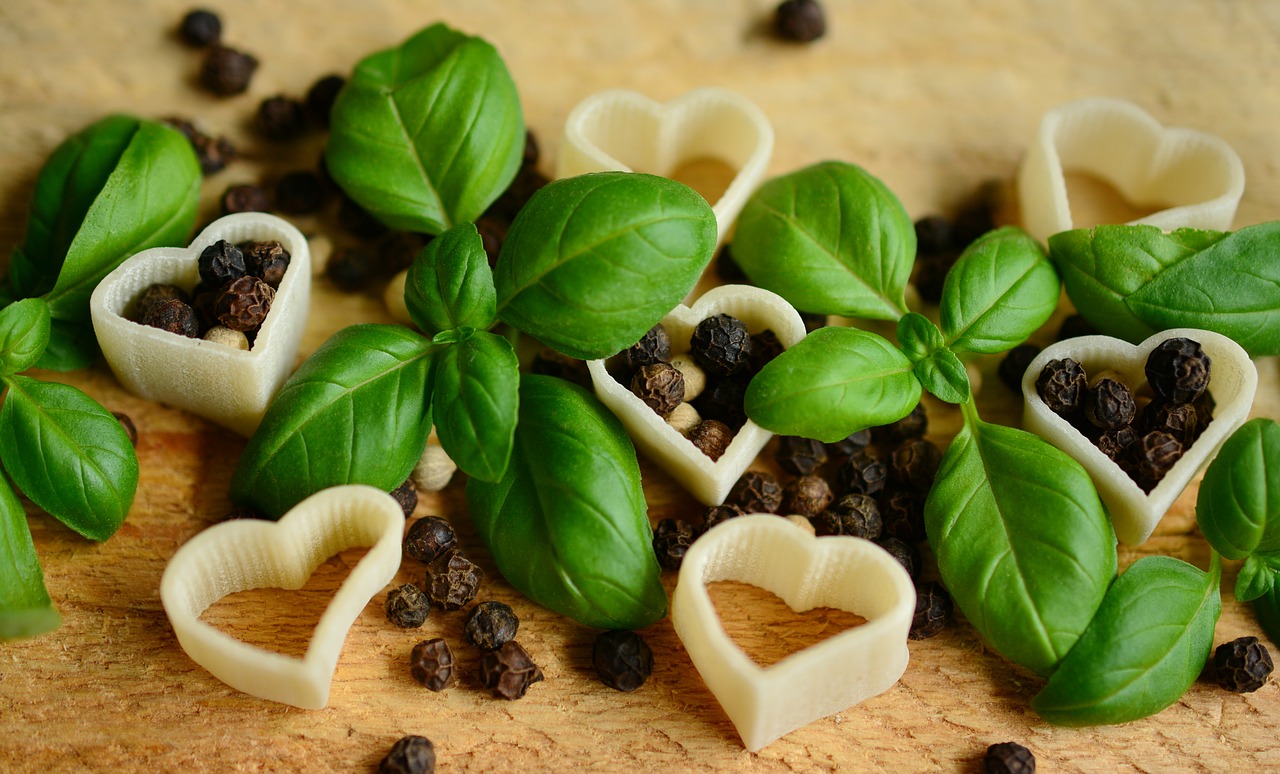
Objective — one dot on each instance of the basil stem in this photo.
(1238, 505)
(450, 284)
(24, 334)
(25, 607)
(475, 402)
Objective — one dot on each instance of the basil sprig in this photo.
(428, 134)
(120, 186)
(1134, 281)
(25, 607)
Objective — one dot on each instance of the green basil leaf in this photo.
(593, 262)
(998, 293)
(428, 134)
(1022, 541)
(944, 375)
(1145, 647)
(356, 412)
(72, 346)
(829, 238)
(1267, 608)
(25, 607)
(450, 284)
(1257, 576)
(1238, 506)
(567, 525)
(833, 382)
(1132, 281)
(24, 333)
(475, 400)
(68, 454)
(148, 200)
(918, 337)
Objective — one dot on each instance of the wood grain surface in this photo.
(935, 98)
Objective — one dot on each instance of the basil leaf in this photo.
(429, 133)
(829, 238)
(25, 607)
(450, 284)
(998, 293)
(1257, 576)
(355, 412)
(832, 383)
(475, 402)
(1267, 608)
(944, 375)
(68, 454)
(1022, 541)
(567, 525)
(918, 337)
(148, 200)
(24, 333)
(72, 346)
(1238, 506)
(1132, 281)
(593, 262)
(1145, 647)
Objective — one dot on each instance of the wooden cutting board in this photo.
(934, 98)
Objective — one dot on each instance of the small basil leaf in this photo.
(25, 607)
(148, 200)
(1145, 647)
(72, 346)
(1257, 576)
(567, 525)
(474, 403)
(24, 333)
(68, 454)
(1132, 281)
(356, 412)
(998, 293)
(944, 375)
(1022, 541)
(829, 238)
(1238, 505)
(1267, 608)
(450, 284)
(918, 337)
(428, 134)
(834, 382)
(593, 262)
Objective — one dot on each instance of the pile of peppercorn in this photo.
(1144, 431)
(230, 303)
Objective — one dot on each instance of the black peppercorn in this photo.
(721, 345)
(1109, 405)
(1116, 443)
(1154, 454)
(350, 269)
(493, 232)
(200, 28)
(765, 346)
(300, 193)
(453, 581)
(660, 386)
(1075, 326)
(756, 492)
(410, 755)
(226, 71)
(398, 249)
(156, 293)
(213, 153)
(490, 625)
(851, 445)
(406, 496)
(933, 610)
(1062, 385)
(1008, 758)
(244, 304)
(807, 496)
(1178, 370)
(930, 274)
(902, 513)
(281, 118)
(431, 664)
(800, 21)
(244, 197)
(622, 659)
(801, 456)
(268, 261)
(977, 215)
(130, 428)
(1242, 665)
(527, 182)
(653, 347)
(671, 540)
(907, 554)
(1014, 365)
(509, 671)
(1181, 420)
(203, 299)
(863, 473)
(429, 538)
(711, 437)
(914, 464)
(548, 362)
(358, 221)
(853, 514)
(321, 95)
(220, 263)
(719, 513)
(722, 399)
(407, 607)
(914, 425)
(173, 316)
(727, 268)
(934, 235)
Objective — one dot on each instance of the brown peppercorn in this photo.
(282, 118)
(902, 513)
(300, 193)
(407, 607)
(933, 611)
(653, 347)
(1116, 443)
(1181, 420)
(1109, 405)
(671, 540)
(711, 437)
(1242, 665)
(914, 464)
(1205, 406)
(154, 294)
(130, 429)
(244, 198)
(907, 554)
(527, 182)
(398, 249)
(1008, 758)
(226, 71)
(548, 362)
(1153, 455)
(493, 232)
(765, 346)
(853, 514)
(453, 581)
(863, 473)
(1014, 365)
(213, 153)
(914, 425)
(220, 263)
(531, 151)
(1074, 326)
(200, 28)
(409, 755)
(756, 492)
(429, 538)
(800, 21)
(807, 496)
(173, 316)
(727, 267)
(244, 304)
(1178, 370)
(406, 496)
(723, 400)
(801, 456)
(509, 671)
(358, 221)
(350, 269)
(721, 344)
(622, 659)
(1062, 385)
(203, 299)
(660, 386)
(268, 261)
(930, 273)
(431, 664)
(490, 625)
(851, 445)
(321, 95)
(719, 513)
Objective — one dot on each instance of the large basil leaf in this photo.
(25, 607)
(68, 454)
(593, 262)
(1022, 541)
(998, 293)
(429, 133)
(24, 333)
(567, 524)
(829, 238)
(833, 382)
(475, 399)
(356, 412)
(450, 284)
(1145, 647)
(1133, 281)
(72, 346)
(1238, 506)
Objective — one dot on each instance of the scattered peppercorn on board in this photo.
(932, 101)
